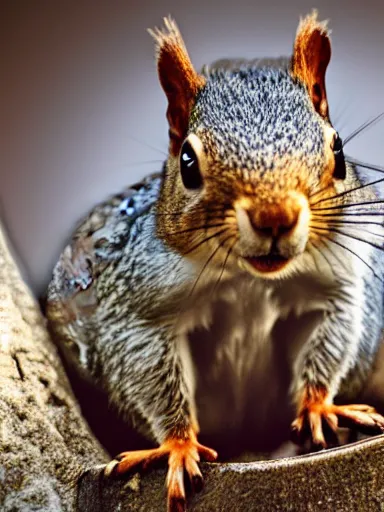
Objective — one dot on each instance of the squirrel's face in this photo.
(249, 148)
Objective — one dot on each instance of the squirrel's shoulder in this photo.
(109, 223)
(100, 237)
(118, 212)
(97, 243)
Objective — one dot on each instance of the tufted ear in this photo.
(178, 78)
(311, 56)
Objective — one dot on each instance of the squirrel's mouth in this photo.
(269, 263)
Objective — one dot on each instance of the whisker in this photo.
(357, 163)
(196, 210)
(184, 301)
(355, 254)
(350, 205)
(351, 214)
(338, 117)
(334, 230)
(198, 228)
(321, 252)
(154, 148)
(224, 264)
(342, 263)
(341, 222)
(196, 246)
(338, 225)
(346, 192)
(364, 126)
(212, 255)
(145, 162)
(364, 165)
(333, 253)
(319, 191)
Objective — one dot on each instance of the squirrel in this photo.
(234, 286)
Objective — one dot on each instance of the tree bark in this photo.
(44, 442)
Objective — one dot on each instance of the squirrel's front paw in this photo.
(183, 456)
(319, 419)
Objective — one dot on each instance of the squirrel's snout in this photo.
(275, 220)
(273, 232)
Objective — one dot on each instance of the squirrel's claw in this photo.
(320, 428)
(361, 417)
(138, 460)
(319, 422)
(183, 456)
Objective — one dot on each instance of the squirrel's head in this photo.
(249, 148)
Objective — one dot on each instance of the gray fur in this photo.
(236, 352)
(256, 114)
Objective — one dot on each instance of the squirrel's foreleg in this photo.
(323, 363)
(153, 380)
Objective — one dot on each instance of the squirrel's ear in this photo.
(178, 78)
(311, 55)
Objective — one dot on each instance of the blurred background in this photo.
(82, 113)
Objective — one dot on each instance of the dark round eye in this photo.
(337, 144)
(340, 170)
(189, 167)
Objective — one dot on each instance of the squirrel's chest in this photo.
(242, 346)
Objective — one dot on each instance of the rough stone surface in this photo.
(44, 442)
(345, 479)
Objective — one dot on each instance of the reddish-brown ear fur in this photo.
(179, 80)
(311, 55)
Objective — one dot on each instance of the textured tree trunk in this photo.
(44, 442)
(50, 461)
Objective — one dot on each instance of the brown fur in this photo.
(179, 80)
(272, 201)
(279, 216)
(311, 56)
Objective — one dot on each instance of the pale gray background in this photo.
(78, 89)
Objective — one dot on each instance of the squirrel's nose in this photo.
(275, 219)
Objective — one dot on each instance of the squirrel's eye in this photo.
(340, 170)
(189, 167)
